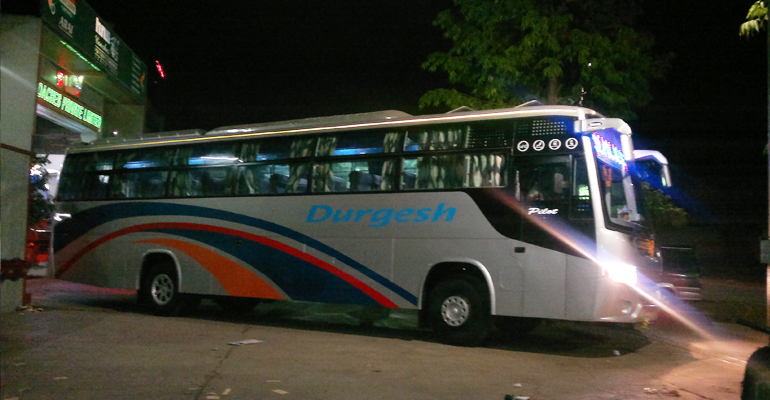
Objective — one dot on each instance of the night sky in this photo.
(240, 62)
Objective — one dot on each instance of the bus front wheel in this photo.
(459, 312)
(160, 291)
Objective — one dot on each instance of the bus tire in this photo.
(160, 290)
(458, 312)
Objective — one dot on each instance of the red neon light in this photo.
(60, 79)
(160, 69)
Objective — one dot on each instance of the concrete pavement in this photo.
(92, 343)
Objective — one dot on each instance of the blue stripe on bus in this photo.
(80, 223)
(299, 279)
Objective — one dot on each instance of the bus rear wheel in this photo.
(160, 290)
(459, 312)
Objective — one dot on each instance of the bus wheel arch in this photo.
(159, 284)
(457, 303)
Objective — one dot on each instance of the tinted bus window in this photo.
(89, 162)
(79, 180)
(349, 144)
(448, 137)
(277, 149)
(273, 179)
(145, 158)
(547, 181)
(138, 184)
(353, 176)
(216, 181)
(454, 171)
(208, 154)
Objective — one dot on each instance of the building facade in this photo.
(65, 77)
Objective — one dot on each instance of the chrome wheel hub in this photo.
(162, 289)
(455, 310)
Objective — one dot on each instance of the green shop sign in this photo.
(59, 101)
(81, 30)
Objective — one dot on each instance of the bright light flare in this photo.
(618, 271)
(621, 272)
(61, 216)
(673, 306)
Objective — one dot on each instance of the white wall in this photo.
(19, 54)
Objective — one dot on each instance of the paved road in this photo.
(90, 343)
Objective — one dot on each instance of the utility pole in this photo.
(765, 244)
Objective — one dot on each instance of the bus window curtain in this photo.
(323, 176)
(247, 182)
(389, 145)
(485, 170)
(298, 172)
(440, 172)
(444, 139)
(181, 183)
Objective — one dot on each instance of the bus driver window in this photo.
(543, 182)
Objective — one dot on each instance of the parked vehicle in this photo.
(680, 272)
(756, 378)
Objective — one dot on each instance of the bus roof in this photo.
(393, 118)
(332, 123)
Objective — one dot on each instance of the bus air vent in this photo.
(542, 127)
(484, 136)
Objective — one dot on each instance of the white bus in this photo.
(508, 216)
(652, 167)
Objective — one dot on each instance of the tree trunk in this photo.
(553, 91)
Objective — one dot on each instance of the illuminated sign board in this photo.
(59, 101)
(608, 152)
(89, 37)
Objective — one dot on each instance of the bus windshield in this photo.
(621, 195)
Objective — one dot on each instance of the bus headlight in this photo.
(621, 272)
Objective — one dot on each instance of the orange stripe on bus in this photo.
(235, 278)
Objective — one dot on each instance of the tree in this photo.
(506, 52)
(755, 19)
(39, 209)
(662, 211)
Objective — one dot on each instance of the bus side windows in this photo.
(201, 182)
(452, 171)
(144, 158)
(209, 154)
(353, 176)
(364, 182)
(450, 137)
(140, 184)
(254, 179)
(96, 186)
(79, 178)
(272, 179)
(83, 186)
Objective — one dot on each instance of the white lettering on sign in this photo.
(102, 31)
(543, 211)
(571, 143)
(66, 26)
(523, 146)
(68, 105)
(538, 145)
